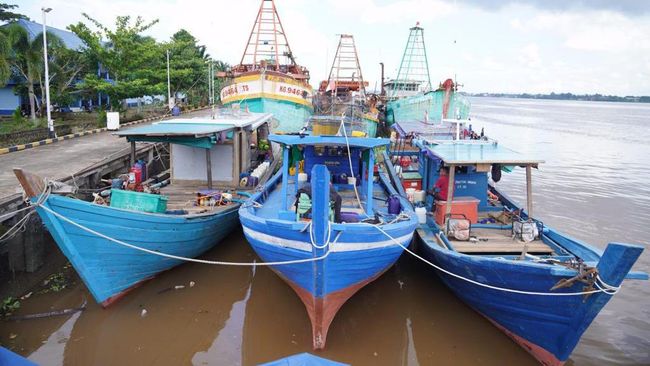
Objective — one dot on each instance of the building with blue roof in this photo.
(9, 101)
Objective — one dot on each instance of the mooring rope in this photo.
(606, 288)
(600, 284)
(195, 260)
(21, 224)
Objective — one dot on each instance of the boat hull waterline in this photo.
(110, 270)
(548, 327)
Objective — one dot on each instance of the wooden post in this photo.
(529, 192)
(450, 193)
(132, 153)
(208, 161)
(369, 184)
(285, 177)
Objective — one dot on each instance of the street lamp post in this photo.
(50, 122)
(169, 93)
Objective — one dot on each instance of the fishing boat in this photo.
(343, 94)
(411, 97)
(267, 78)
(303, 359)
(330, 229)
(116, 246)
(539, 286)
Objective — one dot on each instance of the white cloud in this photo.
(529, 56)
(597, 31)
(368, 11)
(514, 48)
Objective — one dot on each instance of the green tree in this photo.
(131, 59)
(7, 16)
(66, 68)
(26, 59)
(189, 66)
(5, 54)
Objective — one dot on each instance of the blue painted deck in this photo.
(108, 268)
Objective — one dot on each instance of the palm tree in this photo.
(26, 59)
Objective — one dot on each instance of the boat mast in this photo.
(346, 70)
(414, 68)
(267, 45)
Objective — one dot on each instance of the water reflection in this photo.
(178, 323)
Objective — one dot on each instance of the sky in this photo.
(535, 46)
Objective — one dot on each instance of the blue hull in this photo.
(291, 117)
(549, 327)
(303, 359)
(343, 269)
(109, 269)
(414, 108)
(11, 359)
(358, 254)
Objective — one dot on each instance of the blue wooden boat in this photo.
(337, 251)
(205, 154)
(303, 359)
(539, 286)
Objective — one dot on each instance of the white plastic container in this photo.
(352, 180)
(410, 194)
(112, 121)
(302, 177)
(421, 213)
(419, 196)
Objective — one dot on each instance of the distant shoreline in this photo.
(568, 96)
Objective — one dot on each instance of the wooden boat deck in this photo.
(498, 241)
(182, 196)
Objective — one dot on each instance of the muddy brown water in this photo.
(595, 185)
(246, 316)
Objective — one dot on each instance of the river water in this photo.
(594, 185)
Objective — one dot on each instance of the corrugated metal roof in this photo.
(176, 129)
(200, 126)
(363, 142)
(34, 29)
(471, 153)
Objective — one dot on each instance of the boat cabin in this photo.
(227, 151)
(350, 163)
(479, 219)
